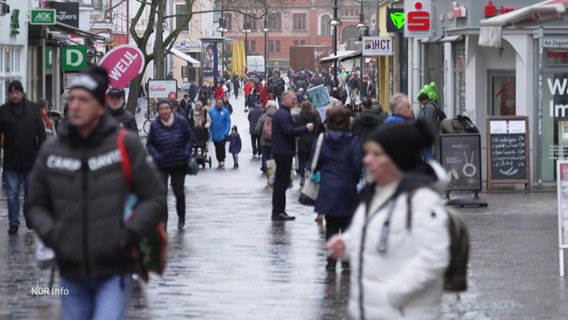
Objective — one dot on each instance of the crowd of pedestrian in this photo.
(372, 165)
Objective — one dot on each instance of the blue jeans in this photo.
(14, 180)
(96, 299)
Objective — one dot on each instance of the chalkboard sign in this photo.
(507, 150)
(460, 155)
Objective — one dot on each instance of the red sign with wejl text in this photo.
(123, 63)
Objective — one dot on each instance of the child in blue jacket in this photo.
(235, 145)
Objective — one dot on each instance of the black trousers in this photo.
(220, 152)
(266, 155)
(178, 180)
(334, 225)
(255, 142)
(281, 182)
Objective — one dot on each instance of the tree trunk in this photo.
(159, 57)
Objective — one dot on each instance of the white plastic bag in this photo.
(44, 255)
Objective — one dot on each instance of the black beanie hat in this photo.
(405, 142)
(94, 80)
(15, 85)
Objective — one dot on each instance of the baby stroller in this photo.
(200, 146)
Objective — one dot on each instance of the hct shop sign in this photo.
(377, 46)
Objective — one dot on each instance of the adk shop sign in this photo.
(123, 64)
(73, 58)
(418, 18)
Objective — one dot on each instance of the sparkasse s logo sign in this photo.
(418, 18)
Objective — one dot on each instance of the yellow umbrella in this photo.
(234, 58)
(243, 58)
(238, 58)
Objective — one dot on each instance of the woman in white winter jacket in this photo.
(398, 256)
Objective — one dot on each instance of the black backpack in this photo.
(455, 277)
(440, 114)
(467, 124)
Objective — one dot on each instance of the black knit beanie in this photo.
(405, 142)
(95, 80)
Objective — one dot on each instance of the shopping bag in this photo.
(192, 166)
(310, 191)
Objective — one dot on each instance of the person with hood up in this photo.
(339, 165)
(398, 269)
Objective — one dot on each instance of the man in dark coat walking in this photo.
(116, 108)
(283, 150)
(23, 128)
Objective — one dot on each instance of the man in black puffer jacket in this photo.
(77, 198)
(24, 131)
(116, 108)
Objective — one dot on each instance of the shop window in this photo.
(502, 98)
(181, 11)
(325, 27)
(275, 22)
(299, 21)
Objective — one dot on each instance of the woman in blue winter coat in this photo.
(339, 163)
(170, 143)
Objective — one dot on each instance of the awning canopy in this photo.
(72, 30)
(491, 29)
(186, 57)
(430, 40)
(452, 38)
(339, 56)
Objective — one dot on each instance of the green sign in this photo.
(15, 22)
(395, 20)
(48, 58)
(42, 16)
(74, 58)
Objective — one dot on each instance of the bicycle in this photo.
(150, 115)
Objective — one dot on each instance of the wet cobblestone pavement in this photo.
(233, 262)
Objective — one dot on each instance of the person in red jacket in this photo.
(219, 92)
(263, 93)
(247, 90)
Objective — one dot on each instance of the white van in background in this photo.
(256, 67)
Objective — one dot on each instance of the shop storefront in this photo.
(554, 104)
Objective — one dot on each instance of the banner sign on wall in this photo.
(209, 60)
(418, 15)
(377, 46)
(67, 12)
(395, 20)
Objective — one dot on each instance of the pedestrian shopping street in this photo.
(233, 262)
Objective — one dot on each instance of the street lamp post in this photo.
(246, 30)
(335, 23)
(363, 29)
(222, 28)
(266, 30)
